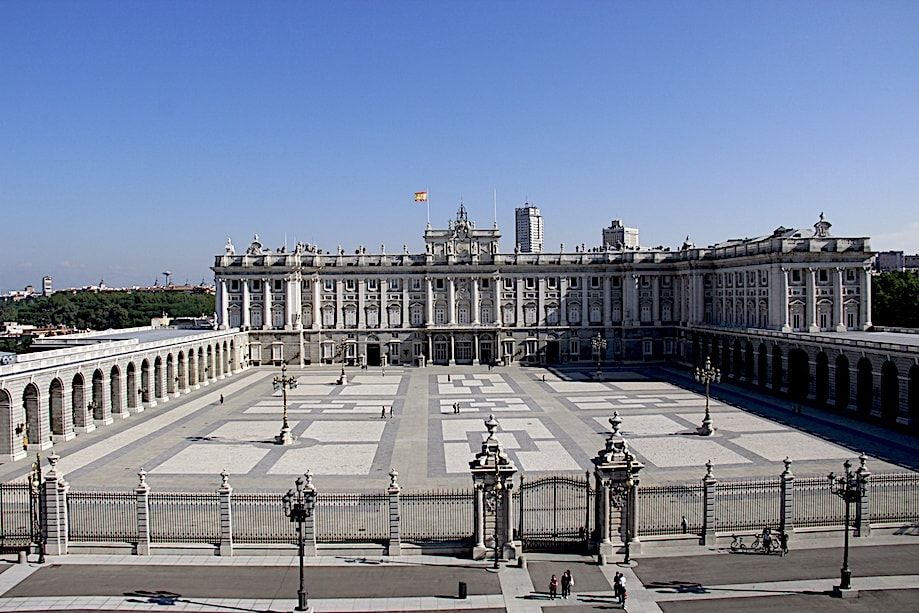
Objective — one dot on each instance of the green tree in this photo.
(895, 299)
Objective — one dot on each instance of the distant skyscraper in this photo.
(46, 288)
(617, 236)
(529, 229)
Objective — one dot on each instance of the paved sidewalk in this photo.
(886, 573)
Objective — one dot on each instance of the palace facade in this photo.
(463, 301)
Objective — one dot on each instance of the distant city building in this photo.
(46, 287)
(617, 236)
(529, 229)
(891, 261)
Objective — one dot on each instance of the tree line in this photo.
(103, 310)
(895, 299)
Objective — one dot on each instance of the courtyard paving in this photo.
(428, 423)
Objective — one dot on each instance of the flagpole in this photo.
(427, 201)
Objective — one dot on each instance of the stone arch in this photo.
(81, 419)
(715, 354)
(738, 366)
(114, 385)
(97, 394)
(798, 375)
(843, 383)
(201, 374)
(35, 428)
(776, 368)
(10, 434)
(158, 377)
(725, 357)
(864, 387)
(762, 365)
(822, 379)
(749, 363)
(209, 372)
(145, 381)
(132, 385)
(912, 397)
(56, 407)
(890, 393)
(183, 364)
(695, 348)
(171, 385)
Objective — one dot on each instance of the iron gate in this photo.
(555, 513)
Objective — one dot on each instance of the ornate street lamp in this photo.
(707, 375)
(283, 382)
(599, 345)
(298, 505)
(36, 508)
(850, 487)
(343, 378)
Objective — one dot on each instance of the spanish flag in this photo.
(421, 196)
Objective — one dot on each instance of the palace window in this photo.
(552, 315)
(439, 283)
(256, 285)
(508, 314)
(552, 283)
(349, 285)
(394, 284)
(328, 317)
(440, 315)
(328, 285)
(234, 285)
(278, 285)
(530, 283)
(372, 284)
(416, 284)
(417, 315)
(373, 317)
(823, 275)
(508, 283)
(573, 282)
(595, 282)
(574, 313)
(595, 313)
(529, 314)
(395, 317)
(350, 316)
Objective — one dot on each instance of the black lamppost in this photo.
(707, 375)
(298, 505)
(283, 382)
(343, 378)
(850, 488)
(599, 345)
(37, 508)
(498, 493)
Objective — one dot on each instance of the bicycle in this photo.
(737, 543)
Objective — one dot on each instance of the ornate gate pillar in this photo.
(616, 476)
(493, 481)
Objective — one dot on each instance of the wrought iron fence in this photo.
(352, 518)
(555, 512)
(815, 505)
(259, 518)
(661, 509)
(747, 505)
(108, 517)
(894, 497)
(15, 515)
(436, 516)
(184, 517)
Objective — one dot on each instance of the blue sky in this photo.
(137, 136)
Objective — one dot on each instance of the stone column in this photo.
(55, 493)
(811, 301)
(563, 301)
(636, 300)
(317, 303)
(395, 517)
(708, 527)
(656, 300)
(225, 494)
(429, 302)
(267, 322)
(607, 301)
(476, 302)
(361, 288)
(839, 304)
(786, 511)
(406, 312)
(585, 299)
(451, 301)
(864, 299)
(339, 298)
(783, 301)
(289, 311)
(863, 510)
(244, 316)
(142, 493)
(518, 302)
(222, 301)
(541, 302)
(384, 310)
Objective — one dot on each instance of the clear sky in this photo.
(135, 137)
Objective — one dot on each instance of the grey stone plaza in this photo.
(427, 423)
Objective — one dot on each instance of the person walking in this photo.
(620, 582)
(221, 398)
(390, 411)
(783, 542)
(383, 412)
(616, 587)
(684, 525)
(567, 582)
(553, 587)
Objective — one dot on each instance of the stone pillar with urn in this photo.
(616, 477)
(493, 480)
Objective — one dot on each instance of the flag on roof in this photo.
(421, 196)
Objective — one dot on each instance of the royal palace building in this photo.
(463, 301)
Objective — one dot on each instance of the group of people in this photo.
(619, 589)
(567, 583)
